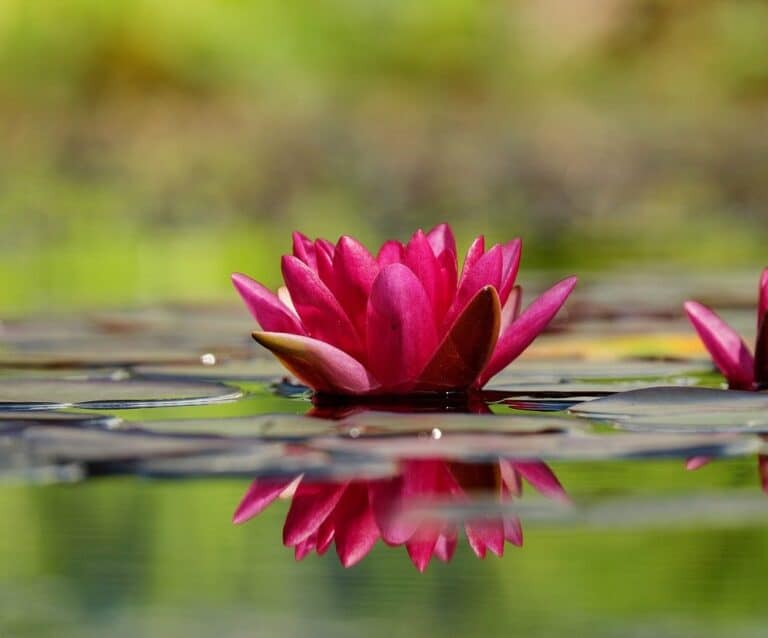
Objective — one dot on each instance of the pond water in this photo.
(129, 439)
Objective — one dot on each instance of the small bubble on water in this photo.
(436, 434)
(354, 432)
(208, 359)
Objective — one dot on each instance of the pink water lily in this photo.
(356, 514)
(406, 320)
(741, 369)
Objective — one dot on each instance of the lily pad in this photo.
(749, 421)
(48, 394)
(262, 426)
(14, 420)
(261, 369)
(556, 371)
(666, 401)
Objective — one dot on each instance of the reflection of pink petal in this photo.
(266, 307)
(762, 469)
(485, 534)
(510, 477)
(543, 479)
(259, 495)
(695, 462)
(467, 346)
(311, 505)
(318, 364)
(726, 347)
(513, 530)
(401, 330)
(388, 504)
(356, 531)
(422, 545)
(321, 314)
(521, 333)
(446, 544)
(305, 547)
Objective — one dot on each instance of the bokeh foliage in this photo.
(152, 147)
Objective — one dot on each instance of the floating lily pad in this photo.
(262, 426)
(555, 371)
(751, 421)
(379, 423)
(14, 420)
(666, 401)
(545, 446)
(47, 394)
(260, 370)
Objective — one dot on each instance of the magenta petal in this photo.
(304, 249)
(510, 477)
(527, 327)
(474, 253)
(422, 546)
(325, 535)
(511, 264)
(513, 530)
(401, 331)
(485, 272)
(391, 252)
(441, 239)
(259, 495)
(540, 475)
(726, 347)
(301, 550)
(511, 308)
(445, 546)
(321, 314)
(317, 364)
(271, 313)
(422, 261)
(355, 269)
(485, 534)
(387, 503)
(310, 507)
(467, 347)
(356, 531)
(762, 304)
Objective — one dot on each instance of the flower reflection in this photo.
(404, 509)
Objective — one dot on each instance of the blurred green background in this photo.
(150, 148)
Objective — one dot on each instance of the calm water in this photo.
(121, 524)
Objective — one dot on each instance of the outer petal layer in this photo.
(527, 327)
(318, 364)
(259, 495)
(271, 313)
(728, 350)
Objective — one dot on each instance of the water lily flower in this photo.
(741, 369)
(406, 320)
(356, 514)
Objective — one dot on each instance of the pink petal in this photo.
(325, 535)
(511, 264)
(446, 285)
(695, 462)
(761, 343)
(541, 476)
(726, 347)
(423, 544)
(271, 313)
(311, 505)
(474, 253)
(441, 239)
(325, 246)
(511, 479)
(317, 364)
(762, 470)
(513, 530)
(356, 531)
(521, 333)
(259, 495)
(325, 270)
(391, 252)
(422, 261)
(467, 347)
(762, 304)
(304, 249)
(321, 314)
(401, 331)
(485, 272)
(301, 550)
(511, 308)
(355, 270)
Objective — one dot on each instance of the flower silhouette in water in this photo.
(403, 510)
(741, 369)
(349, 323)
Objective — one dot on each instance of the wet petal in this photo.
(259, 495)
(391, 252)
(356, 530)
(318, 364)
(401, 331)
(311, 505)
(467, 347)
(271, 313)
(527, 327)
(441, 239)
(728, 350)
(321, 314)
